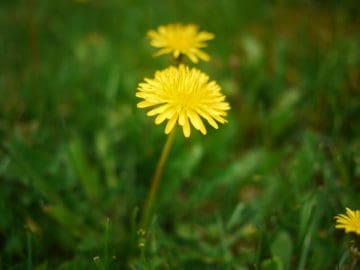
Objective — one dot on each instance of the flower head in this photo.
(183, 95)
(350, 222)
(180, 39)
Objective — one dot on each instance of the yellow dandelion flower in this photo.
(183, 95)
(350, 222)
(180, 39)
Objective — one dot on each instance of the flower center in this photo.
(181, 40)
(187, 95)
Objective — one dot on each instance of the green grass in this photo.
(77, 156)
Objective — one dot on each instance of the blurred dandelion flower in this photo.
(183, 95)
(180, 39)
(350, 222)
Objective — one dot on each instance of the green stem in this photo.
(179, 60)
(156, 180)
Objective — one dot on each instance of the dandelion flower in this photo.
(183, 95)
(180, 39)
(350, 222)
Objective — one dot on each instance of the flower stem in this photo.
(155, 182)
(179, 60)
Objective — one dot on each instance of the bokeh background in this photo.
(76, 155)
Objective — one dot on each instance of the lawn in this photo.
(260, 192)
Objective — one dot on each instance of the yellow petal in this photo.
(186, 128)
(144, 104)
(158, 110)
(196, 121)
(171, 123)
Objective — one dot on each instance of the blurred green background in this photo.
(261, 192)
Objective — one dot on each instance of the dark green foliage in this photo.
(76, 155)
